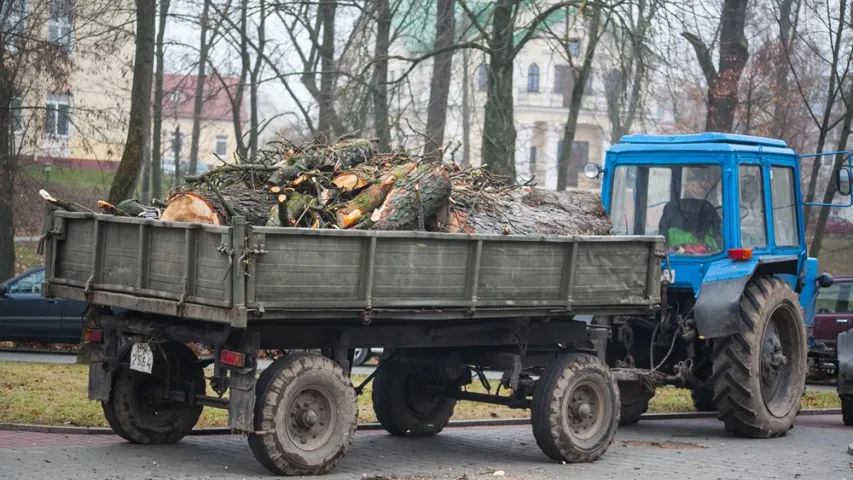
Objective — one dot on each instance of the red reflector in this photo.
(235, 359)
(740, 253)
(93, 336)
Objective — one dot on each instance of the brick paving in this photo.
(676, 449)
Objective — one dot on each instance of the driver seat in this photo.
(695, 215)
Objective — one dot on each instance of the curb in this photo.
(15, 427)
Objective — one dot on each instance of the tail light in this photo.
(231, 358)
(93, 336)
(740, 254)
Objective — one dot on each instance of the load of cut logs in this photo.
(349, 185)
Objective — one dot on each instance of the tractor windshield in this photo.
(683, 203)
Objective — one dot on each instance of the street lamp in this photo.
(47, 167)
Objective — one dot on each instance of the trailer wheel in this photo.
(759, 373)
(703, 398)
(575, 410)
(409, 405)
(847, 409)
(134, 412)
(635, 402)
(305, 415)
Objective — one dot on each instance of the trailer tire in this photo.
(136, 421)
(847, 409)
(576, 409)
(408, 405)
(703, 398)
(305, 415)
(759, 373)
(635, 402)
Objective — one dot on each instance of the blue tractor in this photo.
(740, 287)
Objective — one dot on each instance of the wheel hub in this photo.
(772, 358)
(310, 418)
(584, 411)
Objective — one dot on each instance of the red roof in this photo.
(179, 92)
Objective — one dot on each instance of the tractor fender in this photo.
(716, 311)
(845, 363)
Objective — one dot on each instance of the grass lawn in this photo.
(49, 394)
(26, 256)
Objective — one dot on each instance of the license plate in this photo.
(141, 358)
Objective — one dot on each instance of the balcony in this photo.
(548, 98)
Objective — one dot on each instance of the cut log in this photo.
(407, 207)
(541, 212)
(349, 181)
(372, 197)
(205, 206)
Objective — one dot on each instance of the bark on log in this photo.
(408, 207)
(372, 197)
(541, 212)
(205, 206)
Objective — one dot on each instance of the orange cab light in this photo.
(740, 254)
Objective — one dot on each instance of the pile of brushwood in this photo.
(349, 185)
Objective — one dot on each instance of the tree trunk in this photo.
(566, 172)
(408, 206)
(734, 53)
(239, 89)
(445, 32)
(326, 11)
(8, 164)
(201, 79)
(466, 109)
(157, 149)
(380, 75)
(255, 81)
(498, 142)
(542, 212)
(780, 107)
(125, 178)
(203, 205)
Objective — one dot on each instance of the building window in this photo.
(176, 97)
(61, 25)
(532, 161)
(221, 145)
(483, 78)
(57, 118)
(533, 78)
(563, 79)
(13, 16)
(17, 113)
(574, 47)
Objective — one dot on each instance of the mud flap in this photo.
(102, 364)
(717, 311)
(845, 363)
(241, 407)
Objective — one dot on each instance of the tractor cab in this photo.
(729, 206)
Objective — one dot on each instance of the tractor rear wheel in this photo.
(759, 373)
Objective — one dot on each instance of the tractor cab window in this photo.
(682, 203)
(753, 224)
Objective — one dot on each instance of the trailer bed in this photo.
(239, 274)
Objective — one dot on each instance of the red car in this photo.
(838, 225)
(833, 315)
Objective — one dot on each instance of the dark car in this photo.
(26, 316)
(833, 315)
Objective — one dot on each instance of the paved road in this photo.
(694, 449)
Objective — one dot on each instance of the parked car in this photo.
(26, 316)
(833, 315)
(838, 225)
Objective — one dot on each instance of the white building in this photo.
(542, 87)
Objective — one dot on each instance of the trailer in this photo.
(443, 307)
